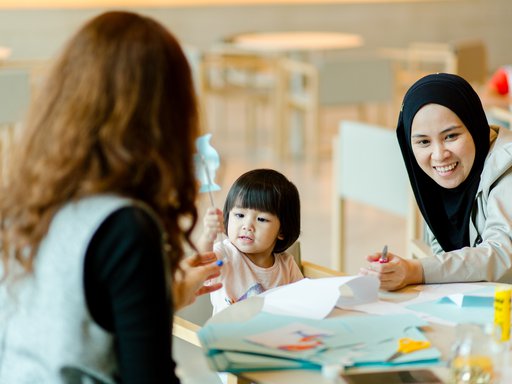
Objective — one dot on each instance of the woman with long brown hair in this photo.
(98, 209)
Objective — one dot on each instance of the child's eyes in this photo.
(256, 216)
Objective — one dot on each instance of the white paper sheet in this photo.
(316, 298)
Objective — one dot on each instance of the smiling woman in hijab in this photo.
(460, 170)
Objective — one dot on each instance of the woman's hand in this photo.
(189, 282)
(396, 273)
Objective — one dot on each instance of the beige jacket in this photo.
(490, 256)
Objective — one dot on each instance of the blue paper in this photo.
(476, 307)
(365, 340)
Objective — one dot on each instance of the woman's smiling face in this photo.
(442, 145)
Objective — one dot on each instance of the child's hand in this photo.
(213, 223)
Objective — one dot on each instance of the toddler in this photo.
(262, 216)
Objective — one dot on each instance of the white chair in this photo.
(368, 168)
(14, 101)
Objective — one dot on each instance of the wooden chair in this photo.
(368, 168)
(353, 80)
(299, 89)
(466, 58)
(261, 81)
(187, 322)
(227, 75)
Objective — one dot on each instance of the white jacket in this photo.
(490, 256)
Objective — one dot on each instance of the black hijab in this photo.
(446, 211)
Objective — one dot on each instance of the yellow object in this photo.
(408, 345)
(502, 311)
(472, 369)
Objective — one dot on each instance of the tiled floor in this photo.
(367, 230)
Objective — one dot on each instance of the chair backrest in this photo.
(309, 269)
(371, 167)
(14, 95)
(299, 108)
(14, 101)
(234, 72)
(472, 61)
(466, 58)
(368, 168)
(248, 79)
(354, 80)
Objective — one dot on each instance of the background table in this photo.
(295, 41)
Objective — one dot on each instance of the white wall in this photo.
(41, 33)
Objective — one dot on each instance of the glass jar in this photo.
(475, 356)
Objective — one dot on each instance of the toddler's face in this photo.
(252, 231)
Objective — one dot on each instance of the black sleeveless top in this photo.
(127, 295)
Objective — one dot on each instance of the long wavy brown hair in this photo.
(118, 115)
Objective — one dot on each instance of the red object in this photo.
(499, 81)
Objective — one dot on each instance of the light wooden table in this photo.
(442, 337)
(296, 41)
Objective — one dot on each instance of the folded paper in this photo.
(302, 297)
(469, 307)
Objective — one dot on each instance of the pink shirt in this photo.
(242, 278)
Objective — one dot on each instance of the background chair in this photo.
(267, 85)
(466, 58)
(232, 76)
(36, 69)
(358, 80)
(362, 80)
(368, 169)
(299, 89)
(15, 98)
